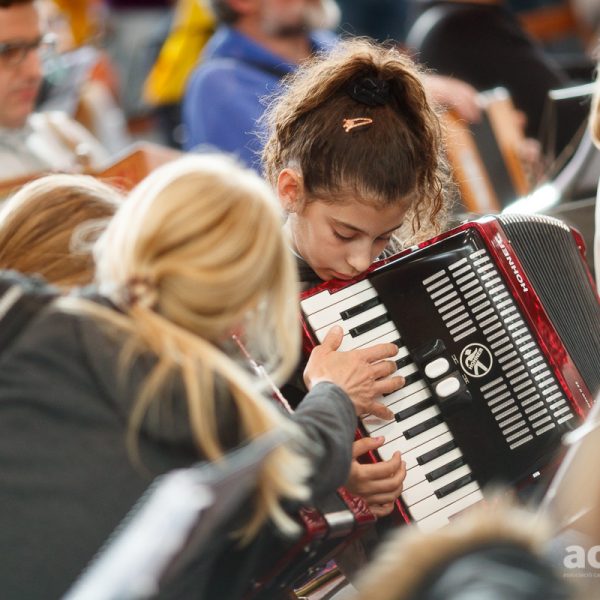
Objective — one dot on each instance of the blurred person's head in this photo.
(195, 254)
(45, 227)
(279, 18)
(22, 41)
(495, 549)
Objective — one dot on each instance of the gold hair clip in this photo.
(350, 124)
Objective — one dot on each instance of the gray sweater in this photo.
(67, 477)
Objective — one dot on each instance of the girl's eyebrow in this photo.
(359, 230)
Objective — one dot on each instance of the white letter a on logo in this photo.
(575, 560)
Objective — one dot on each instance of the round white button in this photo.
(436, 368)
(447, 387)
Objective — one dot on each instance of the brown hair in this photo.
(38, 223)
(10, 3)
(396, 158)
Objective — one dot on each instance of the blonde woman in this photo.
(108, 388)
(45, 227)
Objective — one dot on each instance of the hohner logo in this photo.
(511, 263)
(476, 360)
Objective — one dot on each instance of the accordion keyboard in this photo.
(485, 407)
(439, 484)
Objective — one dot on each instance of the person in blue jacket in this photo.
(257, 43)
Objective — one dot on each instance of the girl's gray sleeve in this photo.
(327, 417)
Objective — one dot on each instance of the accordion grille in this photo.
(545, 247)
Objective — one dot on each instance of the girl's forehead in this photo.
(368, 217)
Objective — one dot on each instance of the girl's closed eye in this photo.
(345, 238)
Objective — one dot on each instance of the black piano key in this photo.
(428, 351)
(436, 452)
(416, 376)
(413, 410)
(455, 485)
(423, 427)
(364, 327)
(359, 308)
(397, 343)
(402, 362)
(445, 469)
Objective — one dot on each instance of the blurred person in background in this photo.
(494, 550)
(134, 31)
(48, 226)
(482, 42)
(256, 44)
(191, 26)
(80, 78)
(33, 141)
(381, 20)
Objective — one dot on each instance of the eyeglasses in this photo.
(12, 54)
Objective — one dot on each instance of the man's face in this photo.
(295, 17)
(19, 83)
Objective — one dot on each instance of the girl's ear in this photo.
(290, 190)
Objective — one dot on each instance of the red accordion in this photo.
(497, 324)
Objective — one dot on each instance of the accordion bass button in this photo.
(447, 387)
(436, 368)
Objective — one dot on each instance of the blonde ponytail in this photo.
(195, 253)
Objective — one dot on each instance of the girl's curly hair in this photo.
(397, 158)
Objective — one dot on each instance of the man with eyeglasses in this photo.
(33, 142)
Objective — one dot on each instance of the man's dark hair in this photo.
(222, 11)
(9, 3)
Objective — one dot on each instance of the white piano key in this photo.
(410, 400)
(325, 298)
(406, 370)
(404, 392)
(402, 350)
(442, 517)
(432, 504)
(403, 445)
(367, 339)
(390, 337)
(426, 489)
(331, 314)
(373, 424)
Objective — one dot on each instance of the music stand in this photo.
(171, 524)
